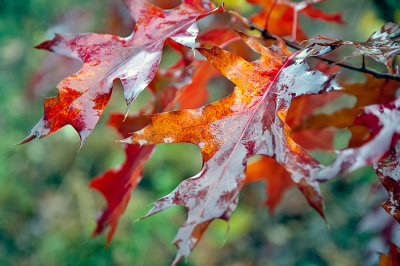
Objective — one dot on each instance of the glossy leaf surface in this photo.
(389, 173)
(184, 83)
(134, 60)
(383, 122)
(372, 91)
(248, 122)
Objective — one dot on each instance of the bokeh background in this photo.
(47, 211)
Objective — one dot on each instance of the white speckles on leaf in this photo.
(142, 142)
(168, 140)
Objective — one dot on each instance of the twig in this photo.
(293, 44)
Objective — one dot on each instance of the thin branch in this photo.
(293, 44)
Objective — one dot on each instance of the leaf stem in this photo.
(295, 45)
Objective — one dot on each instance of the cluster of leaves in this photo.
(271, 111)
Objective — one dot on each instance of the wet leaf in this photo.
(372, 91)
(134, 60)
(184, 83)
(389, 174)
(250, 121)
(383, 121)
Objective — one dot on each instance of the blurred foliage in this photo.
(47, 212)
(387, 9)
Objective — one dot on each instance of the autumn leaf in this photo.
(195, 94)
(54, 67)
(383, 121)
(168, 83)
(388, 173)
(217, 36)
(117, 184)
(134, 60)
(372, 91)
(305, 106)
(392, 259)
(382, 46)
(278, 179)
(184, 82)
(250, 121)
(300, 110)
(188, 79)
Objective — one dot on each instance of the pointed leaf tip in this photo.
(133, 60)
(252, 116)
(27, 139)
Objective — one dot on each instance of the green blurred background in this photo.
(47, 211)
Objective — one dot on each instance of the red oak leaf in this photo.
(171, 85)
(117, 184)
(383, 122)
(185, 86)
(195, 94)
(55, 67)
(303, 107)
(278, 179)
(389, 174)
(134, 60)
(217, 36)
(248, 122)
(188, 80)
(372, 91)
(391, 259)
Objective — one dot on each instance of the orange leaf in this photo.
(248, 122)
(391, 259)
(278, 179)
(373, 91)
